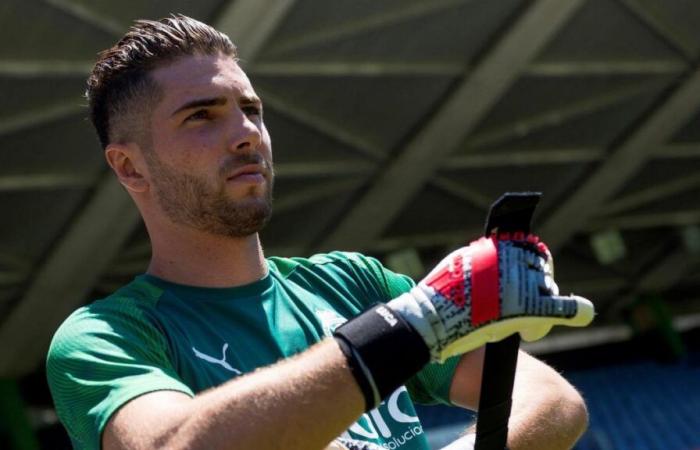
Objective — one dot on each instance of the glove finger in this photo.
(536, 332)
(549, 263)
(572, 310)
(550, 285)
(522, 280)
(557, 310)
(514, 259)
(538, 272)
(545, 283)
(524, 254)
(534, 259)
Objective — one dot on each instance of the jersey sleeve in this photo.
(101, 357)
(432, 384)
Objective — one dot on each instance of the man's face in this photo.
(210, 161)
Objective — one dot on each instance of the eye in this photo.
(201, 114)
(252, 110)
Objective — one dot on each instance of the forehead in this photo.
(190, 77)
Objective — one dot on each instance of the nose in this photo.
(246, 132)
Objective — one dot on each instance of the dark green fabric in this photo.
(156, 335)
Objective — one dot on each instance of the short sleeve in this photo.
(101, 357)
(390, 284)
(432, 384)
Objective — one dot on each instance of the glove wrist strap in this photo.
(383, 351)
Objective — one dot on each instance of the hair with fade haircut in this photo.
(120, 87)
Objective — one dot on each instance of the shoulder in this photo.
(128, 311)
(348, 268)
(105, 354)
(334, 262)
(336, 258)
(135, 299)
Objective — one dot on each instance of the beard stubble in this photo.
(193, 201)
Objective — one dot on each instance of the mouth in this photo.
(250, 173)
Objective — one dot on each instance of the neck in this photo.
(191, 257)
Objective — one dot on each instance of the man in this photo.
(216, 347)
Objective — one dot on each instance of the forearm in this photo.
(300, 403)
(548, 413)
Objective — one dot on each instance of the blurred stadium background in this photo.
(395, 123)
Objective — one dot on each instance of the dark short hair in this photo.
(121, 75)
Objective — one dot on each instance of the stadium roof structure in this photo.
(395, 123)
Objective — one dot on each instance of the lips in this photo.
(249, 172)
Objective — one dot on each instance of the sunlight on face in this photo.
(208, 128)
(194, 201)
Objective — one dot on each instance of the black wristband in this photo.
(384, 349)
(360, 373)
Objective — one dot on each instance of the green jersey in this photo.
(155, 335)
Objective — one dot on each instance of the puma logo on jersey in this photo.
(222, 362)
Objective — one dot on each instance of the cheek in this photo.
(191, 149)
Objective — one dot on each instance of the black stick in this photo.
(512, 212)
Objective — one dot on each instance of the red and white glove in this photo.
(485, 292)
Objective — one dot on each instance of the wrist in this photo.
(417, 309)
(383, 351)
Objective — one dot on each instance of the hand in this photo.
(485, 292)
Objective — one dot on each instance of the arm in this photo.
(275, 407)
(547, 414)
(307, 401)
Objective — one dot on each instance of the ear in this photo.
(127, 163)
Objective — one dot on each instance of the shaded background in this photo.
(395, 123)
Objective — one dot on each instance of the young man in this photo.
(216, 347)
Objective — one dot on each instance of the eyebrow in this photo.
(249, 100)
(199, 103)
(215, 101)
